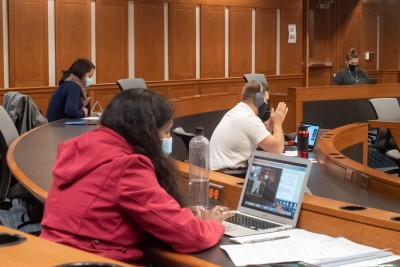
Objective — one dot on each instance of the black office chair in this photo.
(256, 77)
(135, 83)
(10, 188)
(8, 133)
(384, 108)
(185, 136)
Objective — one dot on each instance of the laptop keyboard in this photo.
(251, 222)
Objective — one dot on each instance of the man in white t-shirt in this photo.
(241, 131)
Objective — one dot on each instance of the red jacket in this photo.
(105, 198)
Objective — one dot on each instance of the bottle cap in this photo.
(303, 127)
(199, 131)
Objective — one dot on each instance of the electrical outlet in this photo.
(215, 193)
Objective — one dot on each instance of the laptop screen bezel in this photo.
(269, 216)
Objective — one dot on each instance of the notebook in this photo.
(313, 130)
(272, 194)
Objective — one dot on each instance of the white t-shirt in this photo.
(235, 138)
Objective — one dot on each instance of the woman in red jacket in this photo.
(114, 185)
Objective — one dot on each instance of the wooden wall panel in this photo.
(265, 43)
(73, 37)
(389, 43)
(349, 25)
(239, 41)
(28, 39)
(149, 40)
(319, 76)
(370, 34)
(111, 40)
(291, 55)
(212, 38)
(320, 37)
(182, 41)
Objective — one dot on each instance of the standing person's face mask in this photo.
(352, 64)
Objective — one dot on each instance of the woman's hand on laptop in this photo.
(218, 213)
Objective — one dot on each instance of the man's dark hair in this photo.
(250, 89)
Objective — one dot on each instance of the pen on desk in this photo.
(265, 239)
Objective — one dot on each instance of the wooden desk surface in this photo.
(32, 157)
(37, 251)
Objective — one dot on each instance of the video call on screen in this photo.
(274, 187)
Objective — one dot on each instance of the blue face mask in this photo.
(167, 145)
(88, 82)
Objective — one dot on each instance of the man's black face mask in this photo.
(264, 112)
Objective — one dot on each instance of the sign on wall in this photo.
(292, 34)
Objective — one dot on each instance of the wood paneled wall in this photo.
(153, 39)
(182, 41)
(156, 39)
(149, 40)
(212, 38)
(368, 26)
(73, 33)
(111, 40)
(28, 39)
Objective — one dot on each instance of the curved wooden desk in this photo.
(332, 143)
(37, 251)
(31, 158)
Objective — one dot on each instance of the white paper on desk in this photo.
(373, 262)
(294, 233)
(295, 249)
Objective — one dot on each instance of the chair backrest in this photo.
(23, 111)
(136, 83)
(385, 108)
(186, 137)
(257, 77)
(8, 133)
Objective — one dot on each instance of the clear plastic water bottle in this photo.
(199, 165)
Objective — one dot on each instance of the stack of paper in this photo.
(303, 246)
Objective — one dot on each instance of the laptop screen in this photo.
(312, 134)
(275, 185)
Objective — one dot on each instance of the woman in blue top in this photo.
(70, 99)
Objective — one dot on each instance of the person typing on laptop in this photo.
(241, 130)
(116, 185)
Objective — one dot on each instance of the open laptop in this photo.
(272, 194)
(365, 81)
(313, 130)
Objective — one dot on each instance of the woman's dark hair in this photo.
(80, 67)
(137, 115)
(351, 53)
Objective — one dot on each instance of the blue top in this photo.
(66, 102)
